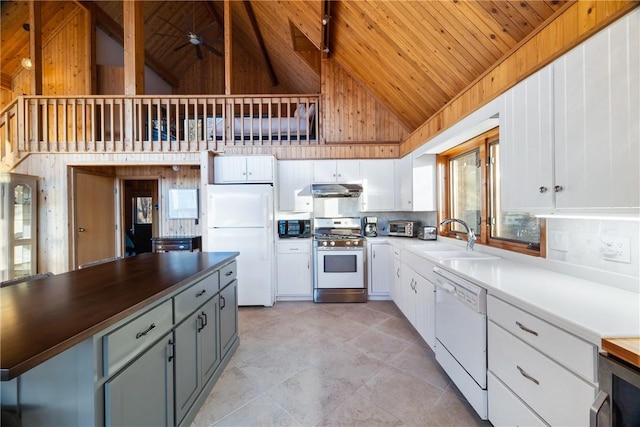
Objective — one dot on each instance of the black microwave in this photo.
(294, 228)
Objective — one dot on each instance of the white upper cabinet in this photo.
(570, 134)
(338, 171)
(424, 183)
(378, 182)
(597, 119)
(294, 186)
(243, 169)
(526, 144)
(404, 183)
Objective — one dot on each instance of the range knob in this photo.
(324, 243)
(356, 242)
(332, 243)
(348, 243)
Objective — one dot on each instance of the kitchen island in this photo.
(116, 343)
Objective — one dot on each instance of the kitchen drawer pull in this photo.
(170, 350)
(202, 292)
(527, 376)
(229, 273)
(146, 331)
(224, 302)
(205, 319)
(524, 328)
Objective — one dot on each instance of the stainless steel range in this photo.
(339, 261)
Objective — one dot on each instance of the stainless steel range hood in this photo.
(336, 190)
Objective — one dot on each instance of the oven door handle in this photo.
(594, 411)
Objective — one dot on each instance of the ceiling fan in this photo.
(193, 38)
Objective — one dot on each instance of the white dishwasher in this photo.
(461, 336)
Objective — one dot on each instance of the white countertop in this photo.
(588, 309)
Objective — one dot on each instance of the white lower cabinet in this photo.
(396, 281)
(507, 410)
(537, 372)
(380, 269)
(415, 295)
(293, 270)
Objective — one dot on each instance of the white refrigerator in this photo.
(240, 219)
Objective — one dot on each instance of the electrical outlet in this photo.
(615, 249)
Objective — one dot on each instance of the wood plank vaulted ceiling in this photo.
(413, 56)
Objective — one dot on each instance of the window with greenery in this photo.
(469, 184)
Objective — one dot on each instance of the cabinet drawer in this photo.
(228, 273)
(557, 395)
(293, 247)
(505, 409)
(196, 295)
(419, 265)
(572, 352)
(131, 339)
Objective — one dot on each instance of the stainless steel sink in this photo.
(459, 254)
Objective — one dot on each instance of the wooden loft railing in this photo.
(153, 124)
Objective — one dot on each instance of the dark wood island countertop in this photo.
(43, 318)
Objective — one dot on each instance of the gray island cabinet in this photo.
(144, 343)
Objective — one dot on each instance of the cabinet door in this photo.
(208, 344)
(324, 171)
(378, 181)
(228, 316)
(294, 274)
(294, 186)
(408, 293)
(260, 168)
(229, 169)
(380, 268)
(526, 145)
(396, 277)
(348, 171)
(404, 183)
(426, 310)
(142, 394)
(597, 96)
(187, 378)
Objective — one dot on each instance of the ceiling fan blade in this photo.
(198, 51)
(181, 46)
(172, 25)
(209, 27)
(215, 51)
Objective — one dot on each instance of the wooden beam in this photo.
(133, 19)
(263, 47)
(326, 29)
(228, 52)
(35, 46)
(116, 32)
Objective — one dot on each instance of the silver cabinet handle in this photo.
(543, 189)
(524, 328)
(81, 230)
(398, 273)
(229, 273)
(202, 292)
(594, 411)
(146, 331)
(527, 376)
(558, 188)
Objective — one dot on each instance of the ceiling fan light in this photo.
(26, 63)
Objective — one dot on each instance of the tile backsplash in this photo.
(608, 245)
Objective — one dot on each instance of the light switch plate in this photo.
(559, 240)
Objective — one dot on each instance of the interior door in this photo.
(94, 221)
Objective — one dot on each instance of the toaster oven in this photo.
(403, 228)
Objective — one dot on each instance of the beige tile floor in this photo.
(306, 364)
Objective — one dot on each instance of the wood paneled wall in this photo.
(578, 22)
(351, 114)
(53, 193)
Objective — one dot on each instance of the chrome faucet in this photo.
(471, 237)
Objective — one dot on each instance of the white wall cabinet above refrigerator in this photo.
(570, 134)
(294, 186)
(243, 169)
(338, 171)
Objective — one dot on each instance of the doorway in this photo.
(140, 215)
